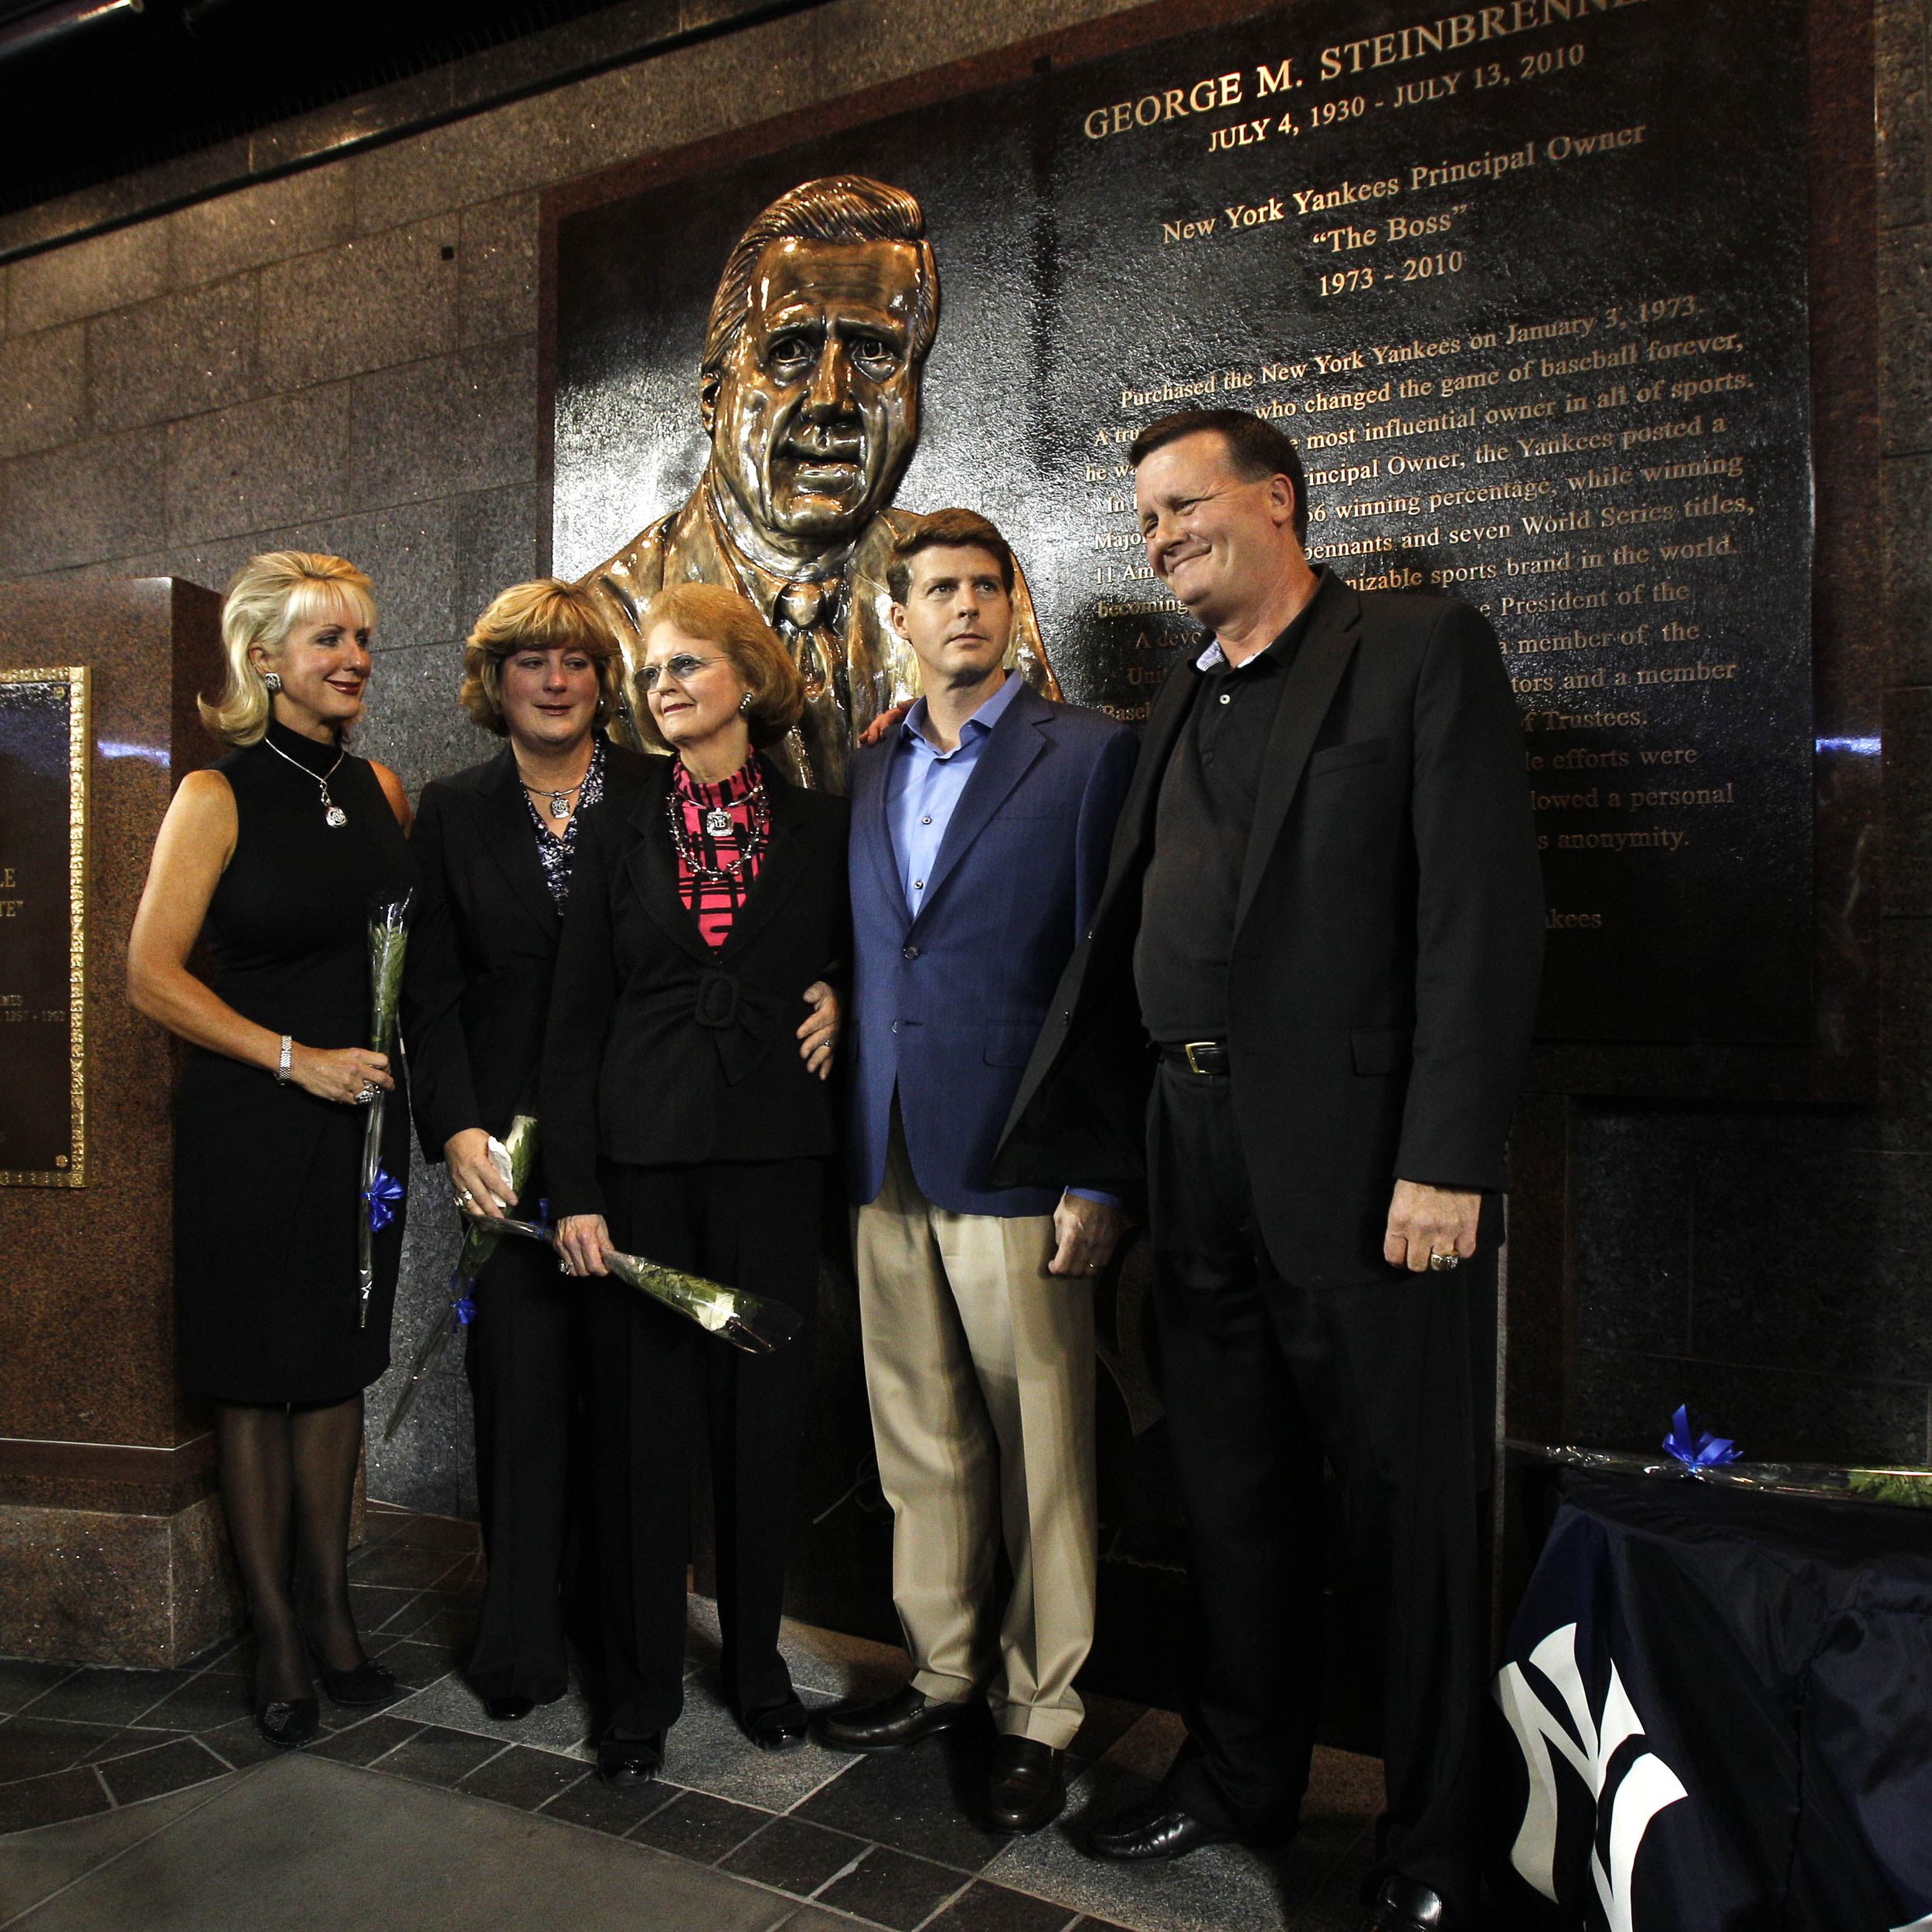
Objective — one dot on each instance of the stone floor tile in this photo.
(826, 1660)
(417, 1665)
(699, 1827)
(522, 1777)
(563, 1727)
(38, 1863)
(707, 1752)
(607, 1808)
(893, 1889)
(398, 1565)
(982, 1908)
(48, 1800)
(31, 1746)
(1219, 1886)
(423, 1858)
(925, 1801)
(375, 1606)
(1107, 1720)
(110, 1697)
(794, 1856)
(204, 1703)
(21, 1682)
(240, 1744)
(435, 1756)
(161, 1769)
(126, 1741)
(363, 1743)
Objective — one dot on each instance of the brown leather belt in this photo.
(1206, 1056)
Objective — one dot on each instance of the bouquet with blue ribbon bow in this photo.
(382, 1193)
(481, 1234)
(1700, 1450)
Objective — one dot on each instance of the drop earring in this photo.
(744, 703)
(273, 680)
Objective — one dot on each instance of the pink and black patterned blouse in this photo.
(714, 902)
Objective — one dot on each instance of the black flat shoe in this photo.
(368, 1683)
(624, 1761)
(1406, 1906)
(509, 1710)
(783, 1729)
(288, 1723)
(1156, 1829)
(892, 1723)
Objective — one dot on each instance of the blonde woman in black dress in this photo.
(272, 857)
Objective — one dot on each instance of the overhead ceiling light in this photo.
(36, 26)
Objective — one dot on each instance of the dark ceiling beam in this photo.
(37, 27)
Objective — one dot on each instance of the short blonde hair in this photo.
(270, 595)
(715, 615)
(546, 614)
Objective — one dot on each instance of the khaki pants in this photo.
(979, 1371)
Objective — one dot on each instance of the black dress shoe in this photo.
(1157, 1829)
(509, 1710)
(630, 1761)
(1406, 1906)
(783, 1728)
(891, 1723)
(288, 1723)
(368, 1683)
(1028, 1787)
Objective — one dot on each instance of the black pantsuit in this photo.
(754, 1224)
(677, 1106)
(476, 1004)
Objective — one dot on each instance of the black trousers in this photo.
(753, 1226)
(522, 1358)
(1263, 1380)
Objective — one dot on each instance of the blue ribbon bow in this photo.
(1705, 1450)
(382, 1198)
(463, 1310)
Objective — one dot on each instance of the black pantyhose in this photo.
(292, 1468)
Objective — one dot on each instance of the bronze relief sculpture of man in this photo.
(810, 390)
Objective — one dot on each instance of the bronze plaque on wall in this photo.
(43, 875)
(1527, 283)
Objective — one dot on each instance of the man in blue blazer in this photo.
(981, 828)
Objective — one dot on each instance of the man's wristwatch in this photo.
(281, 1072)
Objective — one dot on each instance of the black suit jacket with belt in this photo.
(1387, 948)
(483, 946)
(662, 1052)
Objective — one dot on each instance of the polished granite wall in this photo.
(347, 358)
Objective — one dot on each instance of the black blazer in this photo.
(1388, 943)
(661, 1052)
(483, 945)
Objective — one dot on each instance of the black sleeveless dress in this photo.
(268, 1178)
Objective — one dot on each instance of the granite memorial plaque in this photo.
(43, 872)
(1528, 284)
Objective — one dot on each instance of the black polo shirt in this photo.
(1202, 820)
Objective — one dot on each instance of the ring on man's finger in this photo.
(1442, 1263)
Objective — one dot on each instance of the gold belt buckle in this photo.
(1193, 1046)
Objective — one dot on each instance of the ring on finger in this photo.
(366, 1094)
(1440, 1264)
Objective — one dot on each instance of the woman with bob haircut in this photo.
(688, 1121)
(497, 845)
(272, 856)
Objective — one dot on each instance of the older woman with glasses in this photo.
(688, 1121)
(497, 843)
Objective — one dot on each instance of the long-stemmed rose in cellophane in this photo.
(382, 1193)
(747, 1321)
(514, 1158)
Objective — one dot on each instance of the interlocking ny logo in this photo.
(1588, 1746)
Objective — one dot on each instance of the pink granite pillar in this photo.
(111, 1542)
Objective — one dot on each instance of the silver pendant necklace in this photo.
(718, 823)
(333, 815)
(560, 800)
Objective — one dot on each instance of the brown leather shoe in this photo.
(1028, 1788)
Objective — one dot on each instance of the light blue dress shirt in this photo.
(925, 786)
(922, 791)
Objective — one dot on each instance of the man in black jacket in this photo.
(1323, 910)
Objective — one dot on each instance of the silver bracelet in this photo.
(281, 1072)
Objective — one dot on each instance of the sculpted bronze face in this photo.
(814, 414)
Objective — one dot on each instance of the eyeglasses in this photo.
(681, 668)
